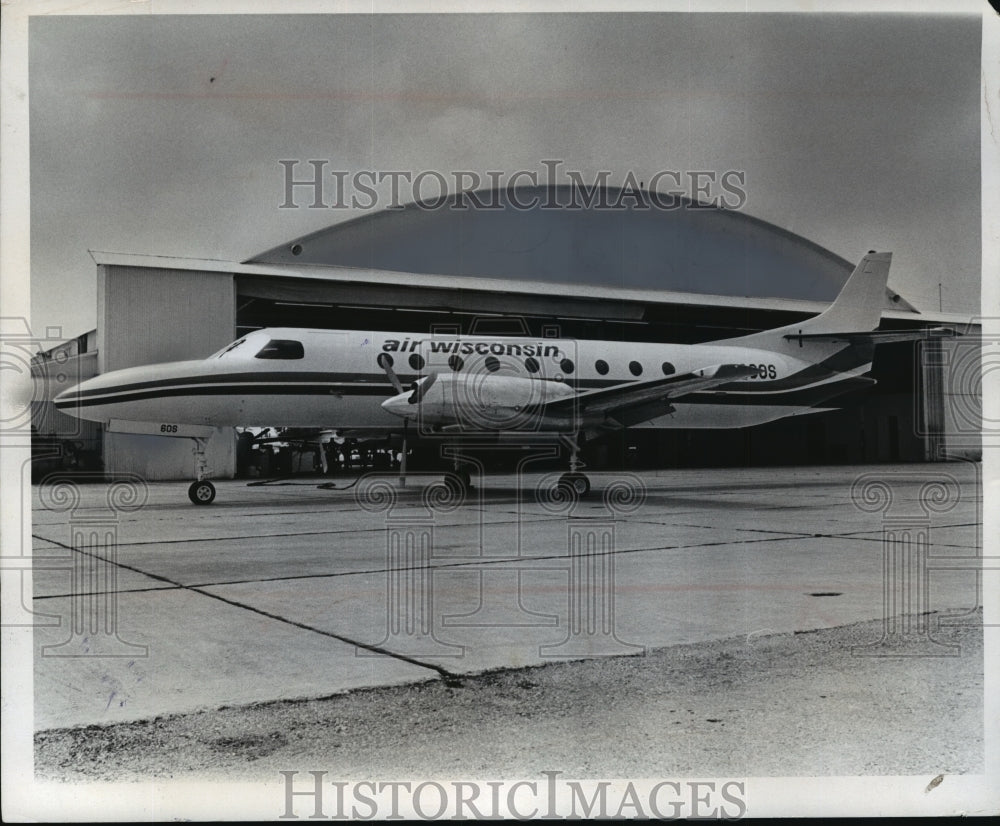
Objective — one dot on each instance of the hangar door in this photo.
(148, 315)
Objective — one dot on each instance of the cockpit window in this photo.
(281, 348)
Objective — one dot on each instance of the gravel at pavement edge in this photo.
(782, 705)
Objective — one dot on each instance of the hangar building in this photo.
(689, 275)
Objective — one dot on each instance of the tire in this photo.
(578, 483)
(202, 493)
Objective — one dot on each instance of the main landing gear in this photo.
(459, 480)
(571, 485)
(201, 492)
(574, 483)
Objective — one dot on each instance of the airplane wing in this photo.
(634, 402)
(878, 336)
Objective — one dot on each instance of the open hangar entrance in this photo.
(882, 424)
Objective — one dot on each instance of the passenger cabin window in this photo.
(281, 348)
(455, 363)
(668, 369)
(567, 366)
(601, 366)
(492, 363)
(417, 361)
(635, 368)
(531, 364)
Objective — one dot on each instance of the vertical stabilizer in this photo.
(857, 309)
(859, 305)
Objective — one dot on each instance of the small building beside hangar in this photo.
(679, 276)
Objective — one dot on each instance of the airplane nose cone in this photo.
(94, 398)
(399, 405)
(68, 401)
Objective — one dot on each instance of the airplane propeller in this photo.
(421, 388)
(385, 362)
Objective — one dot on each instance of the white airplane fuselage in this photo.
(292, 377)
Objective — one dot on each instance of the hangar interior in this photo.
(153, 309)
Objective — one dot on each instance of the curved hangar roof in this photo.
(691, 249)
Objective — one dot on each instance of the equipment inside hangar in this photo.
(925, 405)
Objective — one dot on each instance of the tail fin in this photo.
(858, 308)
(859, 305)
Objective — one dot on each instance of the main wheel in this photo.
(578, 483)
(202, 493)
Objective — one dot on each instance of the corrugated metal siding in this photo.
(149, 315)
(160, 458)
(51, 423)
(52, 374)
(154, 315)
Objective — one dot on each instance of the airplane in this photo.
(525, 389)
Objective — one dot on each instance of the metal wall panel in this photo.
(148, 315)
(951, 397)
(154, 315)
(962, 396)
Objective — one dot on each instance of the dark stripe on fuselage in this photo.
(759, 394)
(112, 396)
(372, 384)
(803, 397)
(784, 391)
(277, 377)
(843, 361)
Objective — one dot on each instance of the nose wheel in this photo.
(202, 493)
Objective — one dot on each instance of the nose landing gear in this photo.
(201, 491)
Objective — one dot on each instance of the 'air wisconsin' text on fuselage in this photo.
(466, 348)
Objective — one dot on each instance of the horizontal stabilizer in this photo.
(877, 336)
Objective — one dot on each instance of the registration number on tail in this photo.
(761, 371)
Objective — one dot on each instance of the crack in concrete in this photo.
(464, 563)
(448, 676)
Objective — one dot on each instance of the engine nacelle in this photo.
(478, 401)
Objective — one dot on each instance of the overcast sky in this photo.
(162, 135)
